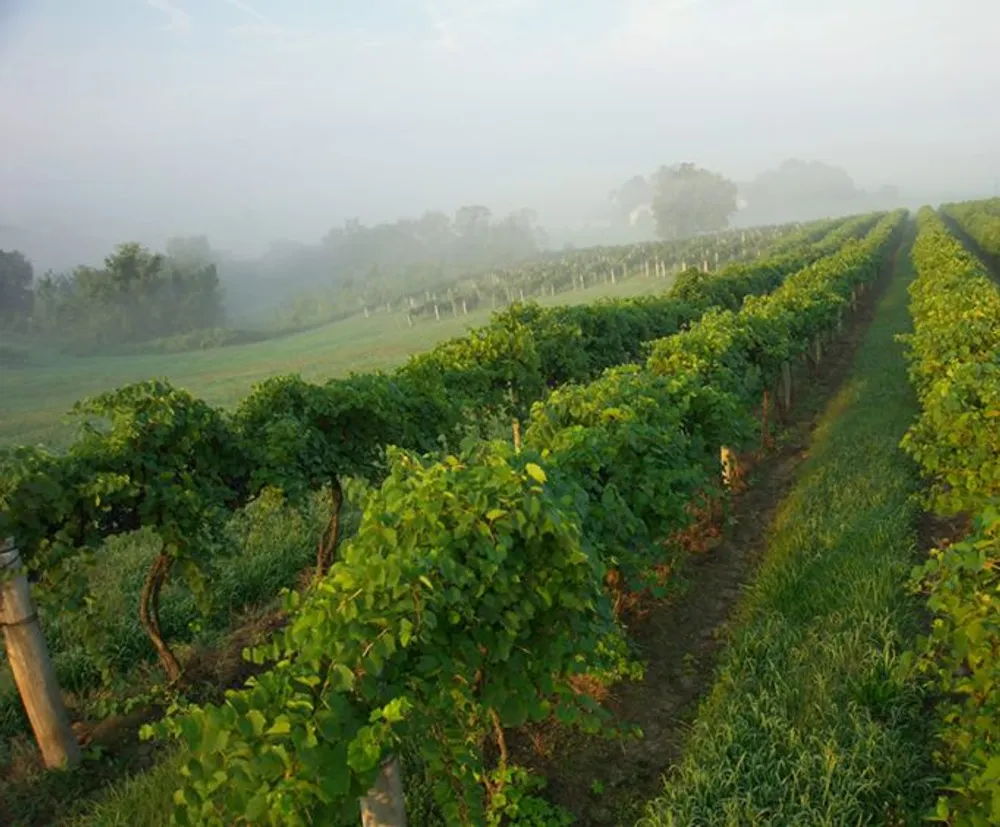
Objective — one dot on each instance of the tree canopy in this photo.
(136, 296)
(689, 200)
(16, 297)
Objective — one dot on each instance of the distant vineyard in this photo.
(557, 273)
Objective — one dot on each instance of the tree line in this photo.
(137, 295)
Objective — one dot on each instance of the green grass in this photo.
(140, 800)
(35, 400)
(807, 723)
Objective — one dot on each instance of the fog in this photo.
(250, 121)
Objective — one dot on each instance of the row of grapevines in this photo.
(511, 363)
(163, 459)
(954, 356)
(478, 588)
(980, 220)
(558, 272)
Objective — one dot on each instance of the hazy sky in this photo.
(254, 119)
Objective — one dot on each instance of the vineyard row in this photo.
(954, 356)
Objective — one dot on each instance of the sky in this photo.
(251, 120)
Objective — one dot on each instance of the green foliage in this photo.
(517, 805)
(474, 590)
(138, 295)
(960, 658)
(955, 368)
(467, 593)
(641, 446)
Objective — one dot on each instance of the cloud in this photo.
(180, 20)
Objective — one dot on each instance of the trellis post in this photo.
(384, 805)
(31, 665)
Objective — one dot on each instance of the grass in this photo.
(807, 723)
(35, 399)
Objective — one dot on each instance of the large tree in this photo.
(689, 200)
(801, 190)
(16, 276)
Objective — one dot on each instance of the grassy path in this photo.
(805, 724)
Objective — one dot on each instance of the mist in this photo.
(257, 121)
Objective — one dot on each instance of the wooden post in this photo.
(818, 349)
(29, 661)
(384, 805)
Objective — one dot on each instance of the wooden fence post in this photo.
(29, 661)
(384, 805)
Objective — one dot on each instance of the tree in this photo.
(634, 193)
(473, 222)
(689, 200)
(193, 251)
(16, 276)
(801, 190)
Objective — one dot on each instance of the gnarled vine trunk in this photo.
(149, 614)
(331, 536)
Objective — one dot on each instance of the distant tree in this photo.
(136, 296)
(16, 277)
(473, 222)
(801, 190)
(689, 200)
(634, 193)
(191, 251)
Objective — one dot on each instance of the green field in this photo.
(35, 400)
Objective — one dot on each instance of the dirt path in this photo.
(606, 782)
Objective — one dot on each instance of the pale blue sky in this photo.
(255, 119)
